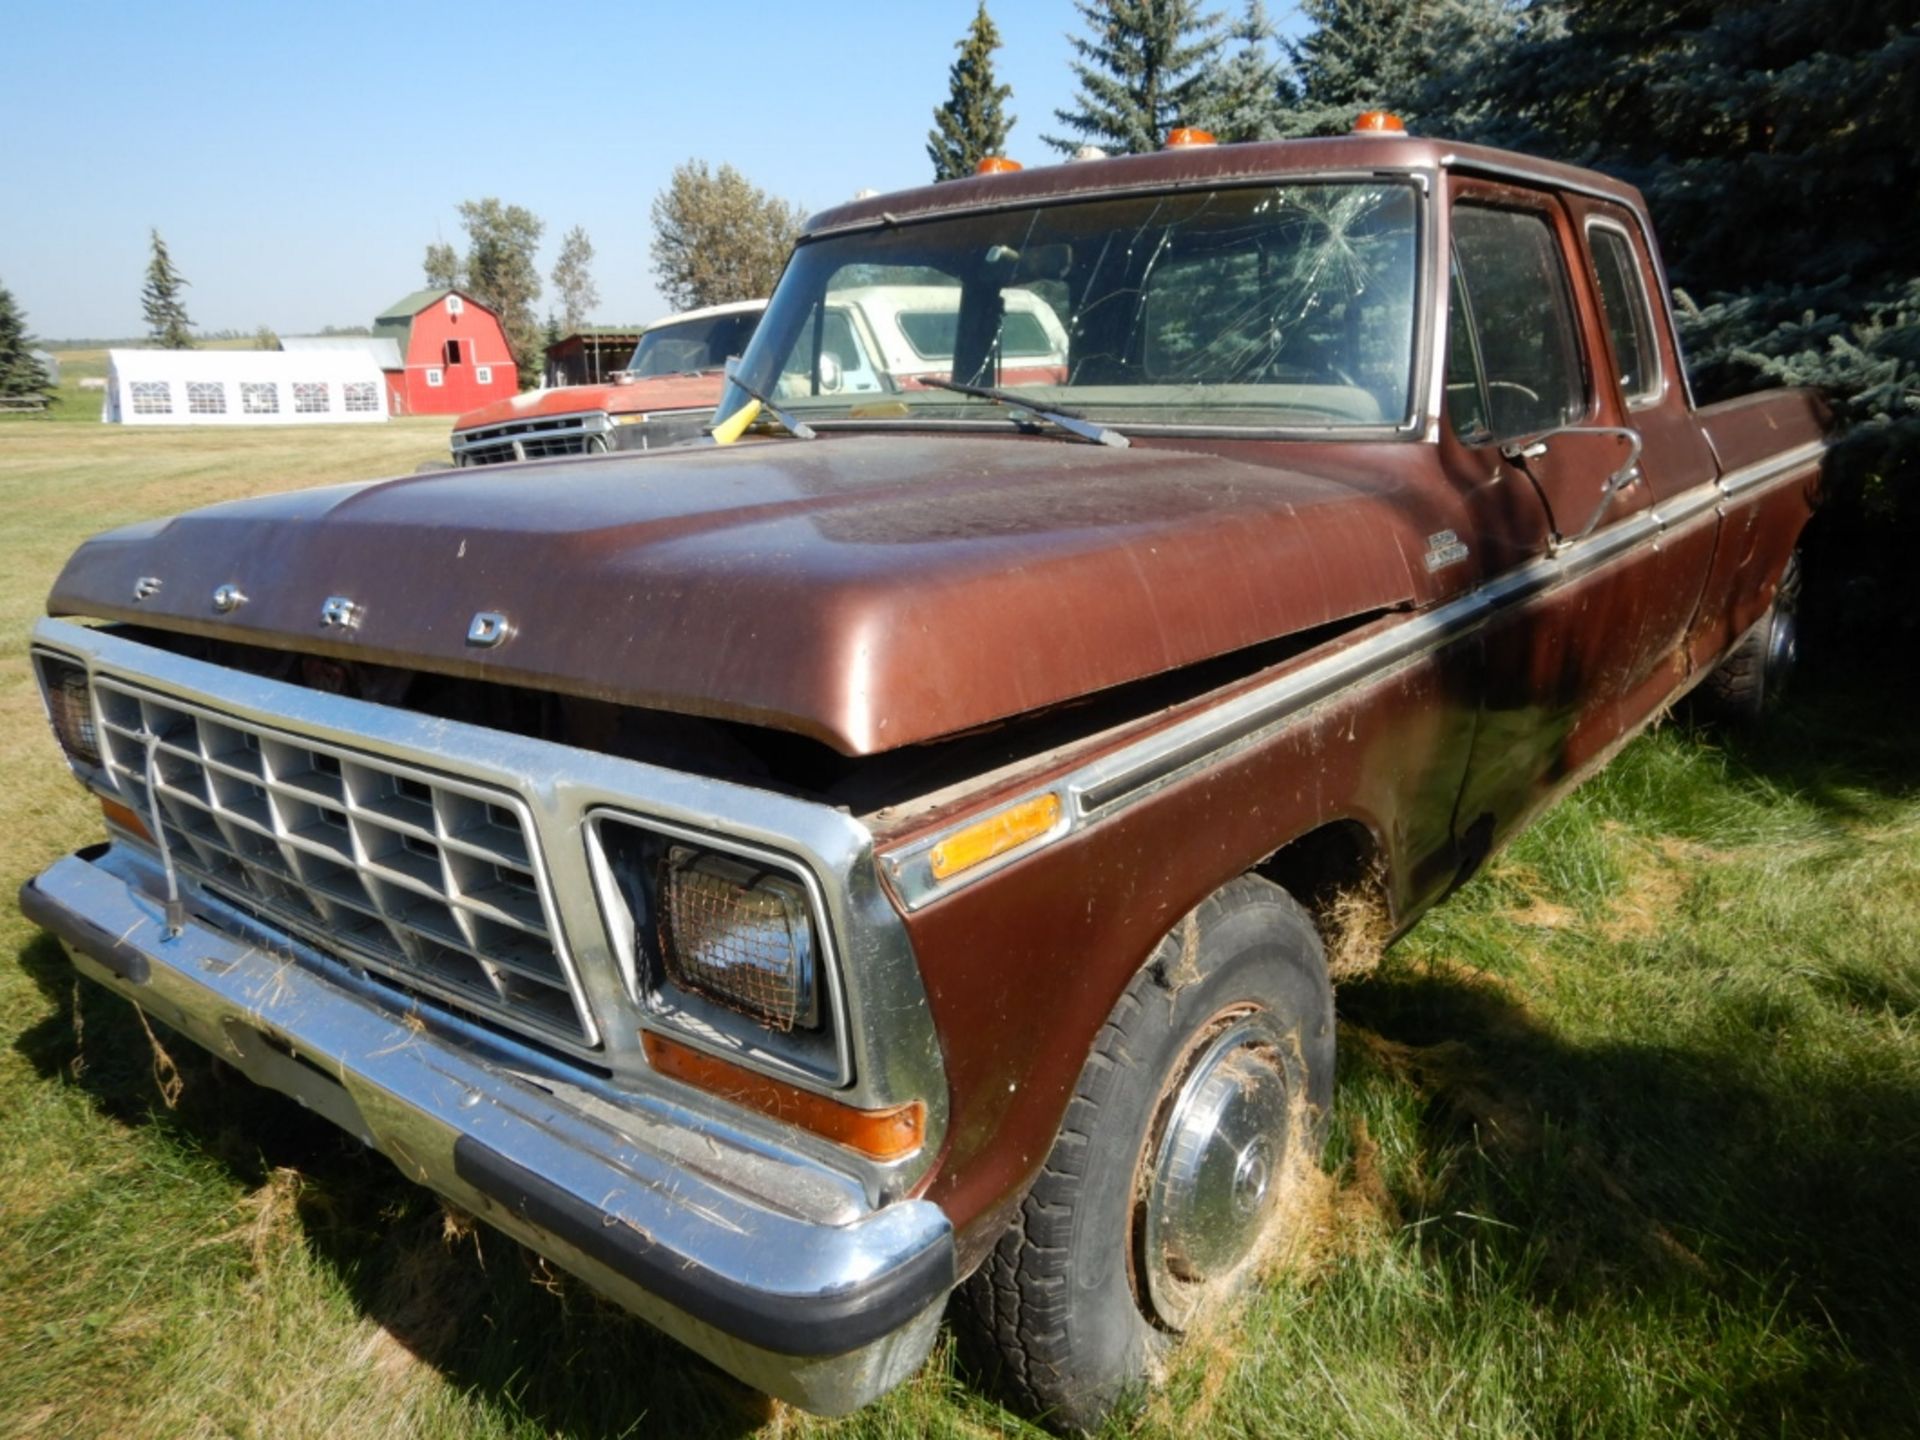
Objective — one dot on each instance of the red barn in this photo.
(453, 354)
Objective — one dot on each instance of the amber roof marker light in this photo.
(996, 165)
(1378, 122)
(1187, 135)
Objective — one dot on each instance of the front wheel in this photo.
(1179, 1165)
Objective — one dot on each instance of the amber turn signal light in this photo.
(883, 1134)
(1378, 122)
(995, 835)
(126, 818)
(1189, 135)
(996, 165)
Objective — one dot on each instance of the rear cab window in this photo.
(1623, 300)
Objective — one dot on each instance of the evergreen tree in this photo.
(1774, 145)
(500, 271)
(973, 123)
(21, 372)
(1146, 67)
(1252, 95)
(573, 279)
(167, 322)
(1427, 61)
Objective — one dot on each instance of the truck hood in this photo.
(869, 591)
(661, 392)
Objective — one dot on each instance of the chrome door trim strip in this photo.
(1113, 783)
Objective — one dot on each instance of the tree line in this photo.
(1773, 143)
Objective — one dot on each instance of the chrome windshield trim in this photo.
(1113, 783)
(1420, 417)
(894, 1049)
(1422, 176)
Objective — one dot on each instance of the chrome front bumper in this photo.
(770, 1264)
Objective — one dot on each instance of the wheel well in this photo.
(1339, 873)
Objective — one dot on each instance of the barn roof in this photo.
(408, 306)
(384, 349)
(395, 323)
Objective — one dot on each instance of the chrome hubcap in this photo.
(1216, 1169)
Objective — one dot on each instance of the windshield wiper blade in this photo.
(1070, 421)
(799, 429)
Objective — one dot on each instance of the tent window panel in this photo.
(362, 397)
(206, 397)
(310, 397)
(151, 397)
(483, 373)
(259, 397)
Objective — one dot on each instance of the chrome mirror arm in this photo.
(1520, 451)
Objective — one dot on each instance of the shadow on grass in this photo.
(1659, 1182)
(1843, 742)
(529, 1341)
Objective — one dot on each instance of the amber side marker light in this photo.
(996, 165)
(995, 835)
(125, 818)
(882, 1134)
(1188, 135)
(1378, 122)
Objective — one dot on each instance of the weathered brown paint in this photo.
(874, 591)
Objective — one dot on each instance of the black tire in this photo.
(1751, 681)
(1062, 1314)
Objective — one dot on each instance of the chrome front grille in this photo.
(543, 439)
(433, 882)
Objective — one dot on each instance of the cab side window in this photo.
(1520, 373)
(1629, 320)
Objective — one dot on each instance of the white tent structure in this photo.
(242, 387)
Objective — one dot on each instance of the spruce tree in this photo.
(1426, 61)
(1774, 145)
(21, 373)
(1252, 95)
(973, 123)
(1146, 67)
(168, 324)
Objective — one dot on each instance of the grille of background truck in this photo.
(533, 440)
(428, 881)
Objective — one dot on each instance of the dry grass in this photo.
(1624, 1146)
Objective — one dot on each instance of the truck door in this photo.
(1645, 387)
(1575, 644)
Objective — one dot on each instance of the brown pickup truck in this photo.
(787, 881)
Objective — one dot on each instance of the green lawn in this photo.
(1627, 1141)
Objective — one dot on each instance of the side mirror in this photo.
(1521, 451)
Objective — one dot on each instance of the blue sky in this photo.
(297, 158)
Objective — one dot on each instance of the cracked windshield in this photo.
(1273, 307)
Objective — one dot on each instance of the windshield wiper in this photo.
(1070, 421)
(799, 429)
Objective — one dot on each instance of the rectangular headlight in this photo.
(740, 934)
(723, 943)
(70, 707)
